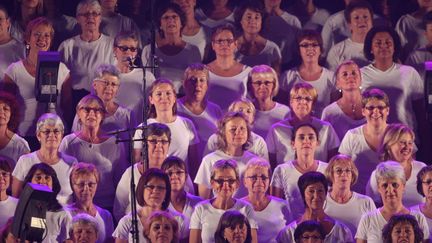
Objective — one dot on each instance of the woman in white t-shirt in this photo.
(212, 14)
(7, 203)
(424, 186)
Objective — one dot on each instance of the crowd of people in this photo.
(235, 121)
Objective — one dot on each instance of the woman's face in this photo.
(236, 233)
(108, 4)
(84, 187)
(30, 3)
(382, 46)
(170, 22)
(402, 150)
(236, 132)
(342, 175)
(272, 3)
(257, 180)
(251, 22)
(41, 178)
(263, 85)
(50, 136)
(154, 192)
(126, 48)
(161, 231)
(246, 109)
(196, 85)
(310, 50)
(391, 190)
(224, 44)
(305, 141)
(177, 178)
(84, 233)
(225, 183)
(376, 112)
(4, 180)
(301, 103)
(349, 78)
(311, 237)
(40, 38)
(157, 147)
(89, 18)
(4, 24)
(427, 185)
(91, 114)
(427, 4)
(403, 232)
(188, 6)
(315, 195)
(361, 21)
(163, 97)
(5, 114)
(106, 87)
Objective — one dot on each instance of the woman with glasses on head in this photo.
(363, 143)
(398, 145)
(7, 203)
(424, 188)
(152, 194)
(225, 180)
(227, 76)
(84, 180)
(92, 145)
(257, 181)
(342, 203)
(49, 132)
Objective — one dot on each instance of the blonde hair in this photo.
(263, 69)
(305, 87)
(221, 136)
(341, 159)
(392, 135)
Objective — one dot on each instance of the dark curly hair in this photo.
(12, 102)
(402, 218)
(367, 48)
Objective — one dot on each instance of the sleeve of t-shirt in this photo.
(211, 145)
(276, 180)
(333, 58)
(250, 214)
(203, 175)
(362, 228)
(121, 200)
(262, 148)
(423, 225)
(332, 138)
(122, 230)
(345, 233)
(372, 188)
(19, 171)
(138, 135)
(345, 146)
(195, 221)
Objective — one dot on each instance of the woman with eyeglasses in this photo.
(263, 86)
(92, 145)
(227, 76)
(21, 75)
(309, 231)
(126, 48)
(49, 132)
(308, 51)
(225, 180)
(342, 203)
(398, 145)
(8, 203)
(313, 188)
(424, 188)
(257, 181)
(283, 183)
(302, 99)
(233, 140)
(153, 194)
(84, 180)
(173, 53)
(363, 143)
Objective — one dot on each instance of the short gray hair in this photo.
(92, 3)
(84, 219)
(225, 164)
(107, 69)
(49, 119)
(390, 170)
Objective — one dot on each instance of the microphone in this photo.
(130, 61)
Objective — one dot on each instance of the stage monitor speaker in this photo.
(46, 76)
(428, 90)
(30, 215)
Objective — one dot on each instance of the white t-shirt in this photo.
(334, 115)
(272, 219)
(117, 23)
(349, 213)
(354, 144)
(232, 88)
(172, 66)
(200, 40)
(7, 209)
(346, 50)
(402, 84)
(258, 146)
(269, 54)
(65, 27)
(206, 217)
(109, 159)
(279, 140)
(324, 86)
(10, 52)
(316, 21)
(183, 135)
(33, 109)
(104, 222)
(338, 234)
(428, 220)
(84, 57)
(188, 209)
(16, 147)
(213, 23)
(285, 177)
(410, 196)
(58, 225)
(411, 32)
(204, 171)
(62, 168)
(335, 30)
(417, 60)
(371, 225)
(265, 119)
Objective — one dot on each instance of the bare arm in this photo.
(204, 192)
(254, 235)
(277, 192)
(117, 240)
(16, 187)
(195, 236)
(360, 241)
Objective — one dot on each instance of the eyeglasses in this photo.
(89, 14)
(40, 177)
(177, 173)
(259, 83)
(222, 181)
(153, 187)
(83, 184)
(224, 41)
(311, 237)
(339, 171)
(108, 83)
(156, 141)
(305, 98)
(54, 131)
(428, 182)
(126, 48)
(4, 174)
(89, 109)
(167, 17)
(255, 177)
(307, 45)
(372, 108)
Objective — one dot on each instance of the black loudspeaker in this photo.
(428, 90)
(30, 215)
(46, 76)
